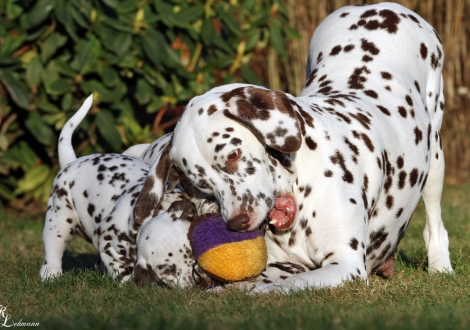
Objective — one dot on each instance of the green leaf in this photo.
(229, 21)
(62, 13)
(48, 107)
(16, 91)
(166, 12)
(59, 87)
(84, 6)
(13, 10)
(122, 43)
(207, 31)
(106, 126)
(20, 155)
(39, 129)
(250, 76)
(249, 5)
(51, 45)
(125, 108)
(277, 41)
(6, 60)
(66, 102)
(34, 71)
(252, 39)
(33, 179)
(64, 68)
(60, 10)
(219, 42)
(50, 74)
(188, 15)
(115, 41)
(78, 17)
(86, 56)
(127, 6)
(144, 91)
(110, 76)
(6, 192)
(155, 105)
(10, 44)
(151, 43)
(103, 94)
(150, 17)
(116, 24)
(128, 61)
(37, 14)
(35, 33)
(111, 3)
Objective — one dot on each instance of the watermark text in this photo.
(7, 322)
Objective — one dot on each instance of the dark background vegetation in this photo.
(143, 60)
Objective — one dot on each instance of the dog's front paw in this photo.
(49, 273)
(283, 288)
(243, 286)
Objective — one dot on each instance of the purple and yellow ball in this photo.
(226, 255)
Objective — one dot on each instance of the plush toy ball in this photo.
(226, 255)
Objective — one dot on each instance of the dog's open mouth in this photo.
(282, 215)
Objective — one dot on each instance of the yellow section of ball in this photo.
(236, 261)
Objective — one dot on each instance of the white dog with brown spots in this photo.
(337, 171)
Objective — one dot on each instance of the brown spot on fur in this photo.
(144, 276)
(335, 50)
(369, 47)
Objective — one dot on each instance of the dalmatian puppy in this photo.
(155, 263)
(93, 197)
(337, 171)
(164, 254)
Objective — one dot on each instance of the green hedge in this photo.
(131, 54)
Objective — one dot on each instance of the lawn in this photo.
(84, 299)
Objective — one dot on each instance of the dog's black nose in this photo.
(239, 222)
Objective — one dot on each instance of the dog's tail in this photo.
(66, 152)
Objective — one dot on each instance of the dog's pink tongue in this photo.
(283, 213)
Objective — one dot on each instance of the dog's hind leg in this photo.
(59, 230)
(435, 235)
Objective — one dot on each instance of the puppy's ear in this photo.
(186, 209)
(153, 151)
(154, 187)
(268, 114)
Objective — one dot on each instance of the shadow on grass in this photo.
(409, 262)
(82, 261)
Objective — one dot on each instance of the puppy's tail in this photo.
(66, 152)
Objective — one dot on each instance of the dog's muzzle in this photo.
(240, 222)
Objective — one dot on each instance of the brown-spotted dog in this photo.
(337, 171)
(164, 255)
(93, 197)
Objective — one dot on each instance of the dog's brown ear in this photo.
(186, 208)
(154, 187)
(268, 114)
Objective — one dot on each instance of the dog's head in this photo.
(234, 143)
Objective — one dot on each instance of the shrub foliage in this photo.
(136, 57)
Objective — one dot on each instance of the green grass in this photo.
(84, 299)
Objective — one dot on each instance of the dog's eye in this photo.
(279, 156)
(234, 155)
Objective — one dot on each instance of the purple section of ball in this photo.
(212, 232)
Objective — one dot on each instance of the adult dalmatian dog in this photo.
(93, 197)
(339, 170)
